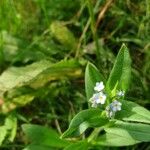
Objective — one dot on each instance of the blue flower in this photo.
(116, 106)
(112, 108)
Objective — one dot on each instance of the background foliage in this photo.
(44, 48)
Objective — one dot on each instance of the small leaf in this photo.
(133, 112)
(83, 120)
(92, 75)
(63, 35)
(16, 102)
(3, 133)
(11, 126)
(82, 145)
(121, 70)
(43, 136)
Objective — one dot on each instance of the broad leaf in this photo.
(82, 145)
(133, 112)
(83, 120)
(121, 70)
(92, 75)
(43, 136)
(37, 74)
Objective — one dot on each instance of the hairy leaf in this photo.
(121, 70)
(83, 120)
(92, 75)
(133, 112)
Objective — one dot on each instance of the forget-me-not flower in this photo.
(116, 105)
(98, 98)
(120, 93)
(112, 108)
(99, 86)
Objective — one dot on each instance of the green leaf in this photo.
(63, 69)
(83, 120)
(63, 35)
(3, 133)
(11, 126)
(121, 70)
(133, 112)
(37, 147)
(115, 139)
(92, 75)
(82, 145)
(8, 130)
(38, 74)
(124, 134)
(137, 131)
(16, 102)
(43, 136)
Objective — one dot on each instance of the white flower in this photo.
(98, 98)
(99, 86)
(120, 93)
(116, 106)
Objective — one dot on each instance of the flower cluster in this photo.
(99, 98)
(112, 108)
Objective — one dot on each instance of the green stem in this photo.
(147, 8)
(94, 134)
(93, 29)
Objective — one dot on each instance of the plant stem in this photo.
(93, 29)
(94, 134)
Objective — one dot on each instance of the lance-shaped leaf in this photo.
(115, 139)
(133, 112)
(121, 70)
(92, 75)
(124, 134)
(137, 131)
(83, 120)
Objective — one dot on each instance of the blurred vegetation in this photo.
(44, 47)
